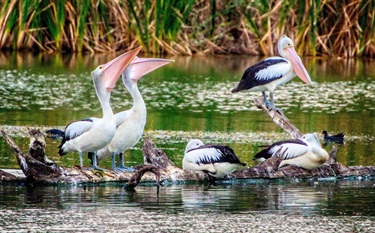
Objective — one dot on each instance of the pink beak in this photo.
(113, 69)
(298, 67)
(143, 66)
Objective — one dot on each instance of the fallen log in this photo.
(38, 169)
(159, 168)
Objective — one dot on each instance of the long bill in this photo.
(298, 67)
(143, 66)
(113, 69)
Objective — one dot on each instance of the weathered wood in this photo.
(39, 169)
(279, 118)
(141, 170)
(5, 176)
(159, 168)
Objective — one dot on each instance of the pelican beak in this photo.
(298, 67)
(143, 66)
(113, 69)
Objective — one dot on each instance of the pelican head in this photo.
(192, 144)
(105, 76)
(139, 67)
(312, 138)
(286, 49)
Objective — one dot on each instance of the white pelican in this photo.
(218, 161)
(274, 71)
(305, 152)
(92, 134)
(130, 124)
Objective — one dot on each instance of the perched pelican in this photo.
(337, 138)
(218, 161)
(305, 152)
(92, 134)
(130, 124)
(274, 71)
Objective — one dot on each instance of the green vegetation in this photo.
(319, 28)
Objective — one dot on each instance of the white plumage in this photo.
(274, 71)
(218, 161)
(91, 134)
(130, 123)
(305, 152)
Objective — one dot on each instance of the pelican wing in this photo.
(77, 128)
(287, 149)
(209, 154)
(264, 72)
(226, 153)
(120, 117)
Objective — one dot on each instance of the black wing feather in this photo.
(67, 137)
(227, 155)
(266, 153)
(249, 79)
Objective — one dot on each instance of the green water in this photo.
(192, 96)
(191, 99)
(256, 206)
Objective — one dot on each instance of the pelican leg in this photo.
(95, 163)
(273, 103)
(266, 101)
(113, 161)
(80, 160)
(122, 166)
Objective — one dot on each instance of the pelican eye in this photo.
(100, 67)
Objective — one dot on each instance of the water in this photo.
(255, 206)
(191, 99)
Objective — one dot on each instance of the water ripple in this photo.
(24, 90)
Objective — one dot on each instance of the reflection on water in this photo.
(110, 207)
(190, 98)
(341, 197)
(193, 94)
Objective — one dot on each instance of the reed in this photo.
(158, 23)
(318, 27)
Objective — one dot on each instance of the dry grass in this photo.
(319, 28)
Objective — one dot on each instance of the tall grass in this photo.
(158, 24)
(318, 27)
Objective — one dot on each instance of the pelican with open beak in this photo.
(92, 134)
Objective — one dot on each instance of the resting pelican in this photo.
(91, 134)
(218, 161)
(305, 152)
(274, 71)
(130, 124)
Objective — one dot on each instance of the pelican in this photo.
(130, 124)
(216, 160)
(305, 152)
(91, 134)
(274, 71)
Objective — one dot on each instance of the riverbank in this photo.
(188, 27)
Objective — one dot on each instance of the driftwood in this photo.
(159, 168)
(279, 118)
(38, 169)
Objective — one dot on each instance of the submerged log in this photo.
(159, 168)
